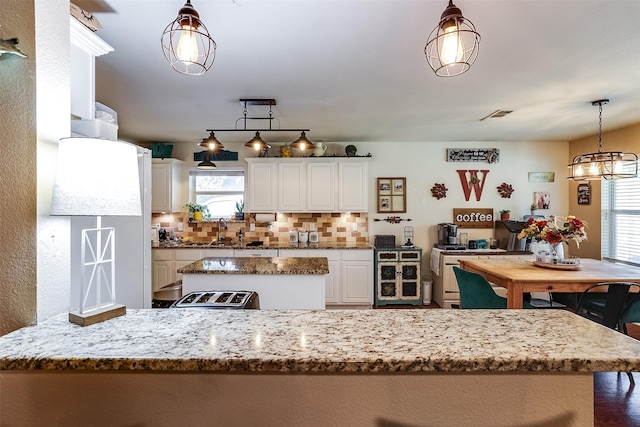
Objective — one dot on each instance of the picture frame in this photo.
(391, 196)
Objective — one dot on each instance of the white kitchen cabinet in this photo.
(265, 253)
(321, 187)
(292, 187)
(262, 187)
(307, 185)
(352, 187)
(165, 185)
(350, 278)
(166, 262)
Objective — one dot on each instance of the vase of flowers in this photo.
(555, 231)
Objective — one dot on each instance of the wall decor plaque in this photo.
(222, 155)
(542, 176)
(473, 217)
(584, 193)
(486, 155)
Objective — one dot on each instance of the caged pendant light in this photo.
(186, 43)
(603, 164)
(452, 47)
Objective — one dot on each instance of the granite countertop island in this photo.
(303, 367)
(268, 245)
(222, 265)
(281, 283)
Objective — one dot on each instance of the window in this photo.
(218, 190)
(621, 220)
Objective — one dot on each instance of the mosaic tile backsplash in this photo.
(331, 227)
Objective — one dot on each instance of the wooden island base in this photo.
(197, 398)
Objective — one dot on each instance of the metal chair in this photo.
(611, 309)
(476, 291)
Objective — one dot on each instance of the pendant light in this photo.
(211, 143)
(186, 43)
(302, 143)
(603, 164)
(257, 143)
(452, 47)
(206, 164)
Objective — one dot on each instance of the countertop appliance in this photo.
(507, 236)
(448, 237)
(238, 300)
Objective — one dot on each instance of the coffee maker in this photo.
(448, 237)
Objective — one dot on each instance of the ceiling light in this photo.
(206, 164)
(211, 143)
(257, 143)
(603, 164)
(186, 43)
(452, 47)
(302, 143)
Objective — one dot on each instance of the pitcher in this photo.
(319, 149)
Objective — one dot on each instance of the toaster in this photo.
(293, 236)
(313, 237)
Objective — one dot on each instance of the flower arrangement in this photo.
(558, 229)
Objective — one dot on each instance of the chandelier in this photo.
(603, 164)
(186, 43)
(452, 47)
(256, 142)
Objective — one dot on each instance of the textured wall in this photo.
(18, 169)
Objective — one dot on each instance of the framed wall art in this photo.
(392, 196)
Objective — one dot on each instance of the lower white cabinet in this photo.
(350, 278)
(166, 263)
(246, 253)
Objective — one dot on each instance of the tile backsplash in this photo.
(331, 227)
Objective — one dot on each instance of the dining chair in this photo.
(476, 291)
(613, 308)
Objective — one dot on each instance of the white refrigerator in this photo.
(132, 248)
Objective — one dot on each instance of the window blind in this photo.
(621, 220)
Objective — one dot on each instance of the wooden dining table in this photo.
(519, 276)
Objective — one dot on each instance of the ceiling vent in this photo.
(496, 114)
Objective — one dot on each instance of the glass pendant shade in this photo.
(603, 164)
(302, 143)
(257, 143)
(186, 43)
(211, 143)
(452, 47)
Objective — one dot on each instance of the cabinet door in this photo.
(410, 280)
(357, 282)
(332, 283)
(387, 281)
(165, 185)
(321, 183)
(163, 274)
(262, 187)
(352, 187)
(292, 187)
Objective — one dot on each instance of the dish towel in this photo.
(435, 261)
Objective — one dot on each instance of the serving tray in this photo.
(558, 266)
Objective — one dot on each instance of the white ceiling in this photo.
(355, 70)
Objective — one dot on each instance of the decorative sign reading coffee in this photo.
(473, 218)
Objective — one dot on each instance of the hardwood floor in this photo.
(616, 400)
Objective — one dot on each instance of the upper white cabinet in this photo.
(262, 187)
(165, 185)
(307, 185)
(321, 187)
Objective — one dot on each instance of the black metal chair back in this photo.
(607, 308)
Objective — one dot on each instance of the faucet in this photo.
(222, 223)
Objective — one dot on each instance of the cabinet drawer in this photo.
(188, 254)
(218, 253)
(387, 256)
(163, 254)
(357, 255)
(330, 254)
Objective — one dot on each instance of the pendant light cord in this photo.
(600, 130)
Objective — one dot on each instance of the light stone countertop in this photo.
(286, 245)
(257, 265)
(324, 341)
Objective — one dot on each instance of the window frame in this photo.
(226, 170)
